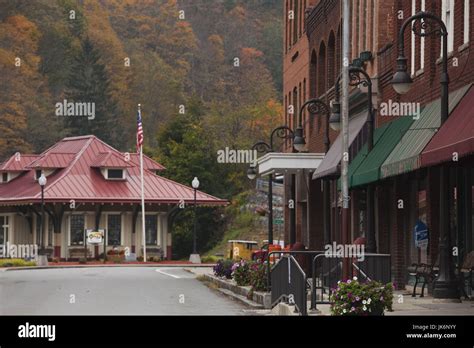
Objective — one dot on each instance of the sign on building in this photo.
(95, 237)
(421, 235)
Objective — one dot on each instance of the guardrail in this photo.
(329, 271)
(287, 278)
(289, 283)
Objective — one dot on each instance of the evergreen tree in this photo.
(89, 83)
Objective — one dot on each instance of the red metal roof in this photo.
(148, 163)
(52, 160)
(17, 163)
(110, 160)
(456, 135)
(81, 182)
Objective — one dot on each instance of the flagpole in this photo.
(143, 199)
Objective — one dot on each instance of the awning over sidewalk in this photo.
(274, 162)
(365, 168)
(330, 165)
(455, 136)
(405, 157)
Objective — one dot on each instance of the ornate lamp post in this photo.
(282, 132)
(195, 258)
(320, 108)
(42, 181)
(359, 77)
(427, 24)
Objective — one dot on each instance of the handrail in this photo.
(281, 252)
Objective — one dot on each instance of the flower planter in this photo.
(353, 298)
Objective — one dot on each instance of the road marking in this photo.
(168, 274)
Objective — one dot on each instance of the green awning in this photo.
(365, 168)
(405, 157)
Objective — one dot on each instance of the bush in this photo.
(209, 259)
(355, 298)
(241, 273)
(16, 263)
(223, 268)
(140, 258)
(258, 276)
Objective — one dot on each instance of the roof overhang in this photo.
(274, 162)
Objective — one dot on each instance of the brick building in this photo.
(406, 188)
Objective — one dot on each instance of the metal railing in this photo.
(328, 270)
(289, 284)
(287, 279)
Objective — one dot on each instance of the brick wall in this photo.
(426, 86)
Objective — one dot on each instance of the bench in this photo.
(423, 272)
(465, 273)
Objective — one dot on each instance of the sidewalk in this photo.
(405, 304)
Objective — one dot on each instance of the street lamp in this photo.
(335, 119)
(317, 107)
(427, 24)
(42, 260)
(195, 258)
(251, 173)
(282, 132)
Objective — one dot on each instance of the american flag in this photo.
(139, 130)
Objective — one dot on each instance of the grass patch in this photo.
(16, 263)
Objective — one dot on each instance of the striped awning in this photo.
(405, 157)
(456, 136)
(365, 168)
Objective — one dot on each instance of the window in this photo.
(114, 229)
(151, 229)
(416, 41)
(3, 229)
(115, 174)
(357, 28)
(38, 173)
(448, 18)
(295, 22)
(422, 42)
(76, 229)
(466, 21)
(363, 28)
(4, 177)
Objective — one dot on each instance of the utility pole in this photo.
(345, 128)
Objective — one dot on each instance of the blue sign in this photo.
(421, 235)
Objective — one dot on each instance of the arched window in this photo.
(338, 64)
(295, 22)
(295, 107)
(331, 59)
(322, 69)
(313, 75)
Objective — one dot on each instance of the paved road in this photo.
(110, 291)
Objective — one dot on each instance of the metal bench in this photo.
(423, 272)
(465, 274)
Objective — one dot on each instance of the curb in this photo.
(7, 269)
(259, 299)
